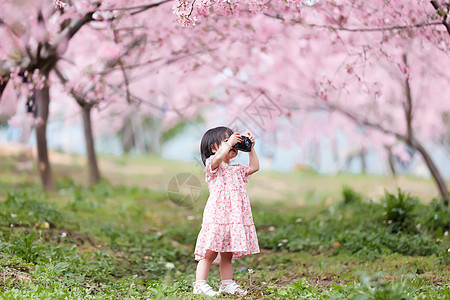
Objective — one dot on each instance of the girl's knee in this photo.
(210, 255)
(226, 256)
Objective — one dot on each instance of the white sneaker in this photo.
(204, 289)
(232, 288)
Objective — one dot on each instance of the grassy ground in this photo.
(125, 238)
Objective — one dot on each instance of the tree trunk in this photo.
(127, 136)
(45, 171)
(410, 139)
(362, 155)
(153, 135)
(440, 182)
(138, 131)
(391, 162)
(94, 173)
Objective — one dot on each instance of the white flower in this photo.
(271, 228)
(170, 265)
(446, 233)
(448, 250)
(280, 244)
(59, 4)
(299, 220)
(284, 241)
(190, 218)
(250, 271)
(159, 233)
(13, 215)
(63, 235)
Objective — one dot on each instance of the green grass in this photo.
(319, 240)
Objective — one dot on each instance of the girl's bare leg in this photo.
(204, 265)
(226, 269)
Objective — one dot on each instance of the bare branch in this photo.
(124, 73)
(139, 101)
(148, 7)
(388, 28)
(365, 121)
(362, 29)
(129, 67)
(64, 80)
(443, 13)
(192, 8)
(139, 8)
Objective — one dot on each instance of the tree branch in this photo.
(148, 7)
(75, 26)
(139, 8)
(388, 28)
(411, 141)
(124, 72)
(364, 121)
(129, 67)
(341, 28)
(64, 80)
(442, 12)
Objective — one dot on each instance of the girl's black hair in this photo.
(213, 136)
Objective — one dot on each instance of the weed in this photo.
(399, 212)
(109, 242)
(25, 246)
(350, 196)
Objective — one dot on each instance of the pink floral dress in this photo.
(227, 219)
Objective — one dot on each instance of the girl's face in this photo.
(230, 155)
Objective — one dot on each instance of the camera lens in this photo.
(244, 145)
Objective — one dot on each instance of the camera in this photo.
(244, 145)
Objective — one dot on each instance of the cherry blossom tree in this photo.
(32, 47)
(378, 64)
(400, 73)
(360, 61)
(133, 70)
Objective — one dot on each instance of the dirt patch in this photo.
(15, 274)
(320, 283)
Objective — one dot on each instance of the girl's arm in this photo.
(224, 148)
(253, 158)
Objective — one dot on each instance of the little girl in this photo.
(227, 230)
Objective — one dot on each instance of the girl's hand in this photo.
(251, 139)
(253, 157)
(234, 139)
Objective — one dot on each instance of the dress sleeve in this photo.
(209, 172)
(244, 169)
